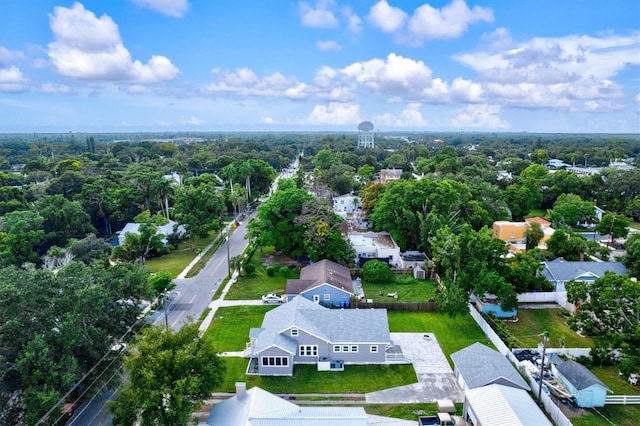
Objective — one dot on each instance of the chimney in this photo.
(241, 388)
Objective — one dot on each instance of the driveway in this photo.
(435, 377)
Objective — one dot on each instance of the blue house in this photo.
(587, 389)
(324, 282)
(560, 271)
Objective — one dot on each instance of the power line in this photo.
(66, 395)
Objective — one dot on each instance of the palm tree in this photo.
(163, 190)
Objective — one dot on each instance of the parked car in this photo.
(272, 299)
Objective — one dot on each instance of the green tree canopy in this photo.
(375, 271)
(609, 311)
(170, 374)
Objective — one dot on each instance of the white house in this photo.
(346, 203)
(166, 230)
(375, 245)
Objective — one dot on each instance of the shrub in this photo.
(249, 268)
(375, 271)
(565, 312)
(284, 271)
(271, 270)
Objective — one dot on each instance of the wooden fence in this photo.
(397, 306)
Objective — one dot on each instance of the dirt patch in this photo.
(281, 259)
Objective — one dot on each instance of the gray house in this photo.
(560, 271)
(478, 365)
(303, 332)
(324, 282)
(587, 389)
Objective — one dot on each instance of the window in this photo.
(327, 297)
(336, 348)
(374, 349)
(294, 331)
(308, 350)
(275, 361)
(345, 348)
(354, 348)
(316, 298)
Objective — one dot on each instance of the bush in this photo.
(249, 268)
(284, 271)
(375, 271)
(565, 312)
(271, 270)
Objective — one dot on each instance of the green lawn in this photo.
(609, 375)
(453, 334)
(408, 288)
(230, 326)
(635, 225)
(175, 261)
(306, 378)
(533, 322)
(254, 286)
(619, 415)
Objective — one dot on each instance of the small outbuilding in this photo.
(478, 365)
(587, 389)
(502, 405)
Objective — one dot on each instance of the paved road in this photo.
(192, 295)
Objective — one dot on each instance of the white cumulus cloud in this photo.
(480, 117)
(451, 21)
(556, 72)
(175, 8)
(354, 23)
(90, 48)
(318, 16)
(328, 45)
(59, 89)
(388, 18)
(338, 114)
(12, 80)
(410, 117)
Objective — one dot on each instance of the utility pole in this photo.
(164, 306)
(545, 340)
(228, 258)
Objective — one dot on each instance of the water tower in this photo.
(365, 135)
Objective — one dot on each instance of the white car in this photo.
(272, 299)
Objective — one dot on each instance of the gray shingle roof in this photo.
(481, 365)
(321, 272)
(579, 375)
(564, 270)
(331, 325)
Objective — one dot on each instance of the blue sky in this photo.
(273, 65)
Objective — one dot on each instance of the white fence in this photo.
(622, 399)
(550, 407)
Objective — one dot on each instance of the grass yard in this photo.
(230, 326)
(453, 334)
(176, 260)
(408, 288)
(621, 415)
(635, 225)
(253, 286)
(533, 322)
(306, 378)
